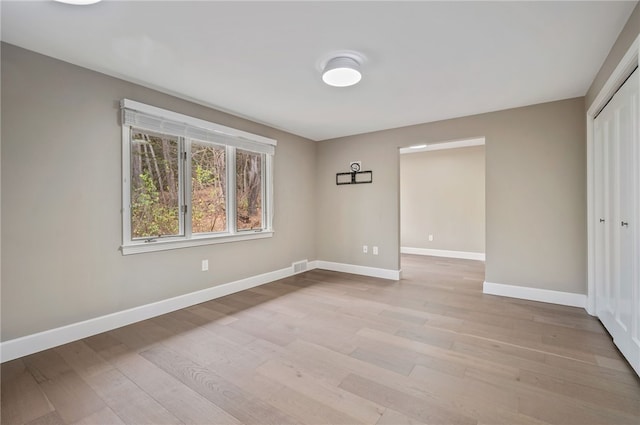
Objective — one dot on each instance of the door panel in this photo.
(617, 239)
(625, 134)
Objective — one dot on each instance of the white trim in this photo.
(535, 294)
(629, 61)
(479, 141)
(186, 238)
(216, 128)
(627, 64)
(34, 343)
(443, 253)
(361, 270)
(23, 346)
(163, 245)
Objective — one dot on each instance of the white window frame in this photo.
(215, 133)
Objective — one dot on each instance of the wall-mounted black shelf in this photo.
(354, 177)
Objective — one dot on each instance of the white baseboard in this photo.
(34, 343)
(443, 253)
(361, 270)
(23, 346)
(311, 265)
(534, 294)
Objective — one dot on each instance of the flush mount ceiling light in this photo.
(79, 2)
(341, 72)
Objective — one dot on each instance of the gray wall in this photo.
(627, 36)
(61, 224)
(350, 216)
(442, 194)
(61, 199)
(535, 194)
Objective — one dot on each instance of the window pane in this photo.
(208, 188)
(249, 190)
(155, 204)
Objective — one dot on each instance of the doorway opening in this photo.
(442, 199)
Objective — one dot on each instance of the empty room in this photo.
(319, 212)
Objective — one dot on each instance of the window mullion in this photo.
(154, 186)
(231, 190)
(185, 187)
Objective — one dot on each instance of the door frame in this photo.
(627, 64)
(434, 146)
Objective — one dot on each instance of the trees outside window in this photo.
(248, 190)
(208, 188)
(155, 204)
(188, 182)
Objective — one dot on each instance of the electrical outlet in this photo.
(430, 238)
(205, 265)
(375, 250)
(365, 249)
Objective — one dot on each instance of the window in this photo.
(189, 182)
(208, 188)
(248, 190)
(155, 201)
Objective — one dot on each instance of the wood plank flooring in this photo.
(332, 348)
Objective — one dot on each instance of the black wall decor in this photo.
(354, 177)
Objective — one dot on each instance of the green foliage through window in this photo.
(155, 205)
(208, 188)
(161, 199)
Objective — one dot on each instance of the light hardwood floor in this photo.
(333, 348)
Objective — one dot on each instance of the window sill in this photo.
(160, 245)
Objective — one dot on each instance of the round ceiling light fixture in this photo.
(342, 71)
(79, 2)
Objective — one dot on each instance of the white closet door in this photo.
(618, 207)
(604, 289)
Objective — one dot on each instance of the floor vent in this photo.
(299, 266)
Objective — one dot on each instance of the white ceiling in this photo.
(425, 61)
